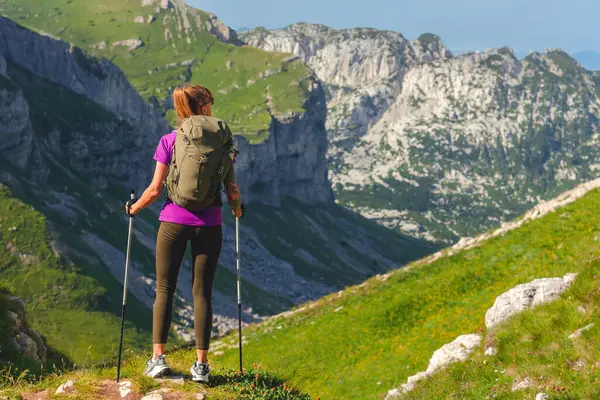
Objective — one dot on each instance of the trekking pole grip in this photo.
(132, 200)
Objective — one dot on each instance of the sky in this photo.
(463, 25)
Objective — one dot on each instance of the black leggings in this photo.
(171, 244)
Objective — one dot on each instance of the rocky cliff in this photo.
(362, 68)
(125, 126)
(441, 146)
(292, 161)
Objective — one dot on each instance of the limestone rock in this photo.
(154, 396)
(100, 45)
(458, 350)
(525, 296)
(578, 332)
(67, 387)
(491, 351)
(522, 385)
(124, 388)
(130, 44)
(542, 396)
(220, 29)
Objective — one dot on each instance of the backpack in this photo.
(202, 157)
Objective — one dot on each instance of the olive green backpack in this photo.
(202, 158)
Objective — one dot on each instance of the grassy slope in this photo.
(387, 331)
(64, 303)
(92, 383)
(536, 344)
(242, 102)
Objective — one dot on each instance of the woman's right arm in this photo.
(153, 192)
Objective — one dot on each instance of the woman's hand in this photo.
(131, 209)
(239, 211)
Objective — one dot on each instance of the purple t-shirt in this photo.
(171, 212)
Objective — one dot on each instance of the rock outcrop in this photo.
(292, 161)
(26, 341)
(506, 306)
(129, 44)
(458, 350)
(525, 296)
(185, 22)
(136, 126)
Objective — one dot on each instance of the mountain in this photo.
(440, 146)
(368, 339)
(77, 136)
(589, 59)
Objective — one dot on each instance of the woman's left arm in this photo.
(153, 191)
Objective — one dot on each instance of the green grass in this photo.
(387, 330)
(62, 303)
(427, 38)
(565, 61)
(226, 384)
(243, 102)
(535, 344)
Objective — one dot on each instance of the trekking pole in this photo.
(239, 286)
(132, 199)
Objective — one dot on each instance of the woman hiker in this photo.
(204, 157)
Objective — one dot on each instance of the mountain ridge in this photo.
(396, 158)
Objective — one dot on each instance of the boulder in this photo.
(124, 388)
(522, 297)
(458, 350)
(67, 387)
(522, 385)
(28, 346)
(130, 44)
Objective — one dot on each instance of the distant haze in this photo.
(463, 24)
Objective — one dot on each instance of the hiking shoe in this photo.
(157, 367)
(200, 372)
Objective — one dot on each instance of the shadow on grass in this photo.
(257, 384)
